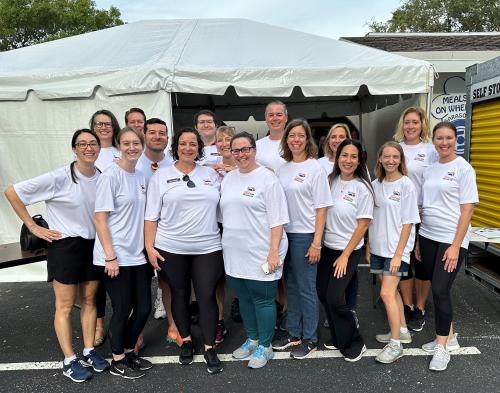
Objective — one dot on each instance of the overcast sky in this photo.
(330, 18)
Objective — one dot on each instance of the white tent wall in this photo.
(35, 137)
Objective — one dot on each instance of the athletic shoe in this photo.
(355, 315)
(451, 345)
(235, 311)
(329, 345)
(326, 323)
(246, 349)
(160, 312)
(355, 359)
(137, 362)
(286, 341)
(417, 320)
(221, 332)
(214, 365)
(407, 311)
(390, 353)
(76, 371)
(260, 356)
(440, 359)
(96, 361)
(187, 353)
(405, 338)
(122, 368)
(303, 350)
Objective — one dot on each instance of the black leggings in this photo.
(441, 281)
(332, 294)
(130, 294)
(204, 270)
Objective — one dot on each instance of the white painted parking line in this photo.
(229, 358)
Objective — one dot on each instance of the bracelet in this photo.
(111, 260)
(315, 247)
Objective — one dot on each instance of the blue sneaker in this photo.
(246, 349)
(96, 361)
(76, 371)
(260, 356)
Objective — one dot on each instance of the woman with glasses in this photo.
(346, 223)
(308, 195)
(69, 194)
(254, 211)
(118, 252)
(183, 241)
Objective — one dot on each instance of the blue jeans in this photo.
(300, 277)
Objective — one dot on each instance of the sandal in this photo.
(99, 336)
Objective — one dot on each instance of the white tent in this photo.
(177, 66)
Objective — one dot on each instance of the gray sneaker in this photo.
(451, 345)
(260, 356)
(390, 353)
(304, 350)
(440, 359)
(405, 338)
(246, 349)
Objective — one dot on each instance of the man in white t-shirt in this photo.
(268, 148)
(205, 123)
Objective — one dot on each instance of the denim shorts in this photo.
(381, 265)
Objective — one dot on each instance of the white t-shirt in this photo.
(70, 206)
(107, 156)
(187, 217)
(306, 189)
(418, 157)
(210, 156)
(445, 188)
(396, 205)
(251, 204)
(352, 200)
(326, 164)
(269, 153)
(144, 165)
(123, 195)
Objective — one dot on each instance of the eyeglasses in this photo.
(101, 124)
(190, 183)
(84, 145)
(245, 150)
(155, 166)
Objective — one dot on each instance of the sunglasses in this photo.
(189, 183)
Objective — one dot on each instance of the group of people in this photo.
(264, 217)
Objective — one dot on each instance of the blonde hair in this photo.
(326, 146)
(226, 130)
(425, 134)
(379, 168)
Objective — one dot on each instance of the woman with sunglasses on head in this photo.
(414, 136)
(254, 211)
(183, 241)
(392, 236)
(69, 194)
(119, 253)
(346, 223)
(449, 195)
(308, 195)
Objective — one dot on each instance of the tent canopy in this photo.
(206, 56)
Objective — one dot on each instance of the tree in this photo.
(28, 22)
(415, 16)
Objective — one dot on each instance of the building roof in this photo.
(418, 42)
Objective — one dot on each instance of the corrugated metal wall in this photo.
(485, 158)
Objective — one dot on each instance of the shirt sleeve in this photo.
(276, 205)
(38, 189)
(365, 205)
(468, 187)
(322, 197)
(409, 205)
(153, 198)
(105, 193)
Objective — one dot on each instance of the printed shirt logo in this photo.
(249, 192)
(419, 157)
(173, 180)
(396, 196)
(349, 196)
(300, 177)
(450, 175)
(208, 182)
(143, 189)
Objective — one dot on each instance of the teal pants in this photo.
(257, 307)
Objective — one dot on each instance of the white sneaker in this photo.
(451, 345)
(160, 312)
(405, 338)
(440, 359)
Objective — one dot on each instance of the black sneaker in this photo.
(235, 311)
(214, 365)
(286, 341)
(137, 362)
(122, 368)
(187, 353)
(417, 320)
(407, 311)
(304, 350)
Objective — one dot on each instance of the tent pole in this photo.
(429, 102)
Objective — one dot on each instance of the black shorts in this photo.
(70, 261)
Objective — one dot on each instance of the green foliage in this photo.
(28, 22)
(415, 16)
